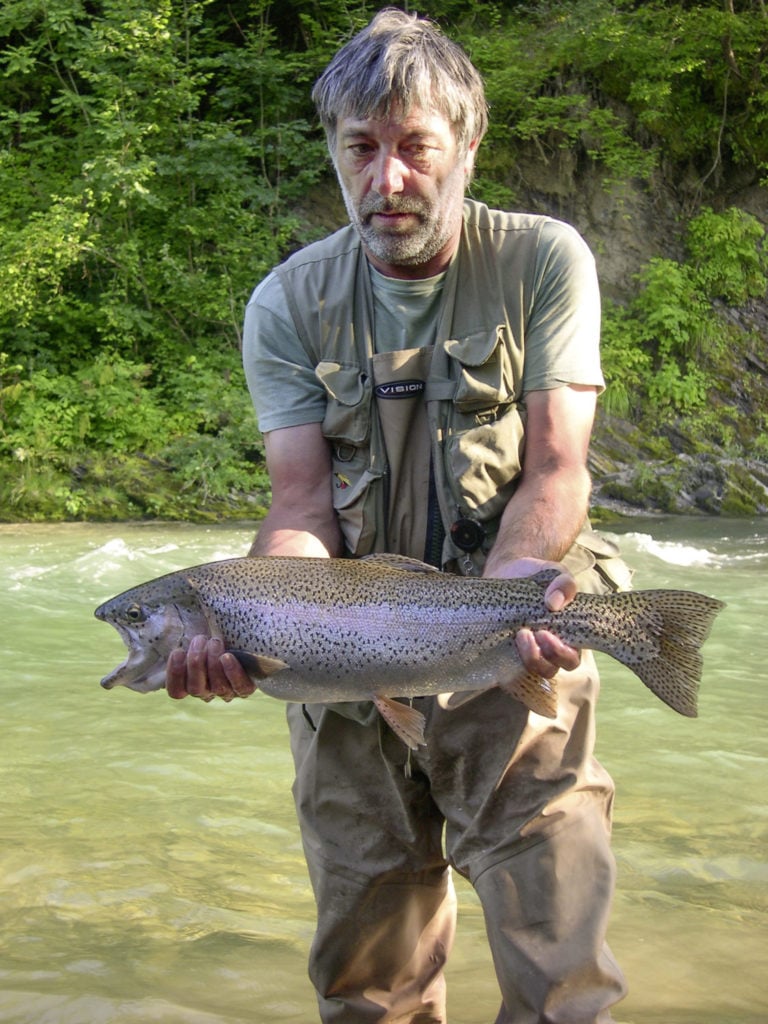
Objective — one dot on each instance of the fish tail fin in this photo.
(668, 628)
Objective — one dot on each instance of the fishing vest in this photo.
(472, 390)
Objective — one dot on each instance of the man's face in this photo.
(403, 181)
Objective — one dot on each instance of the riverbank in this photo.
(630, 477)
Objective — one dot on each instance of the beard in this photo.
(436, 223)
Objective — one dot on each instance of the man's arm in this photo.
(301, 521)
(547, 510)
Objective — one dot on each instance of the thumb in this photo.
(560, 592)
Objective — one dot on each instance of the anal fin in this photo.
(503, 667)
(537, 693)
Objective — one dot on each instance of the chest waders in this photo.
(516, 803)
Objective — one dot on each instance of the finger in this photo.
(176, 674)
(560, 592)
(239, 680)
(197, 668)
(218, 683)
(556, 652)
(532, 656)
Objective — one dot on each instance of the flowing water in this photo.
(150, 867)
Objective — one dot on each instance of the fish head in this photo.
(153, 619)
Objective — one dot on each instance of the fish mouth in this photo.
(149, 642)
(143, 673)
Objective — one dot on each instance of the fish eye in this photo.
(135, 613)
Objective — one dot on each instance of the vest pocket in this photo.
(348, 410)
(485, 426)
(487, 375)
(347, 425)
(485, 461)
(356, 502)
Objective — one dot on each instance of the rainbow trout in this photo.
(328, 630)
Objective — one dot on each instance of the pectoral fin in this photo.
(259, 666)
(405, 721)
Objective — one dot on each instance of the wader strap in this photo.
(433, 548)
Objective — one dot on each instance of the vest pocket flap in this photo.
(486, 377)
(485, 462)
(345, 384)
(347, 414)
(474, 349)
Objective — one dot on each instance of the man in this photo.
(426, 382)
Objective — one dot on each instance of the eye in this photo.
(420, 153)
(360, 150)
(135, 613)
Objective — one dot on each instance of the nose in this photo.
(388, 174)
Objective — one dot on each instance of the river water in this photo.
(150, 867)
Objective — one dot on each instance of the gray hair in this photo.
(399, 62)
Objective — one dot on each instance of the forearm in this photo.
(542, 518)
(301, 520)
(283, 533)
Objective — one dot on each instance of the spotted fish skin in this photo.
(328, 630)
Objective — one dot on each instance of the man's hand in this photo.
(301, 521)
(542, 652)
(206, 671)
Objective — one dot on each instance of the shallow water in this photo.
(150, 867)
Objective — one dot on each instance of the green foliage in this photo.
(662, 348)
(728, 255)
(161, 155)
(95, 434)
(627, 364)
(149, 154)
(101, 406)
(628, 84)
(153, 155)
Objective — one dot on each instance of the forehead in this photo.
(396, 123)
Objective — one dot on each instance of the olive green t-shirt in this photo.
(561, 342)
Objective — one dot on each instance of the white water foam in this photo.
(673, 552)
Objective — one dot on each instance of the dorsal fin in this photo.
(391, 561)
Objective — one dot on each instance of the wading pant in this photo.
(515, 802)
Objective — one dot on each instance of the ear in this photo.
(469, 159)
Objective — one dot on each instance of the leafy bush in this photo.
(112, 439)
(657, 349)
(728, 255)
(152, 159)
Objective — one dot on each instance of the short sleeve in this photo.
(562, 344)
(280, 375)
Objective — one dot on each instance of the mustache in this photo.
(374, 203)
